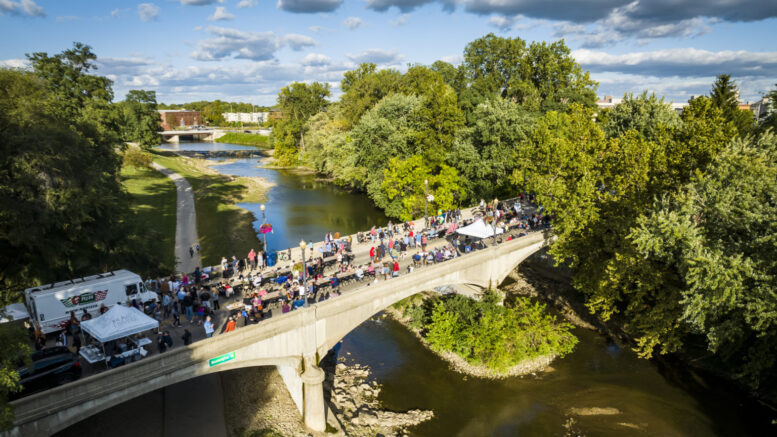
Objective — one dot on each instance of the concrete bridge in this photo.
(175, 136)
(294, 342)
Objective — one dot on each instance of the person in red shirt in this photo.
(395, 269)
(372, 252)
(231, 325)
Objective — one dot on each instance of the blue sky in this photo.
(246, 50)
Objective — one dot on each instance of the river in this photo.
(650, 398)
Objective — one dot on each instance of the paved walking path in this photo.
(185, 224)
(180, 412)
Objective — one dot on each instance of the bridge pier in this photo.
(314, 410)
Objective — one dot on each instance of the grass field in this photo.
(245, 139)
(223, 228)
(154, 201)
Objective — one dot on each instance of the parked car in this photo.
(50, 367)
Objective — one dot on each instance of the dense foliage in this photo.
(454, 127)
(139, 119)
(668, 225)
(485, 333)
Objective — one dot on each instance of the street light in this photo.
(496, 201)
(426, 202)
(302, 245)
(262, 207)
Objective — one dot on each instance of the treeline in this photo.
(452, 127)
(212, 110)
(63, 211)
(668, 221)
(488, 334)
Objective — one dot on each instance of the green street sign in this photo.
(221, 359)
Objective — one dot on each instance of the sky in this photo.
(246, 50)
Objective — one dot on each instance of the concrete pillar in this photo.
(314, 413)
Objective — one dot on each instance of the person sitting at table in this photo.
(285, 308)
(359, 274)
(371, 270)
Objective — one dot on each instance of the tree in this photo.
(725, 96)
(500, 127)
(140, 119)
(718, 238)
(403, 189)
(646, 114)
(541, 77)
(363, 88)
(297, 102)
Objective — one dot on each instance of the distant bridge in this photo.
(175, 136)
(294, 342)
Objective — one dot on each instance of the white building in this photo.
(610, 102)
(245, 117)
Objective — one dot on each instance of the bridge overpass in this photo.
(175, 136)
(295, 342)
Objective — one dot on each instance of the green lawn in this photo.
(245, 139)
(154, 201)
(223, 228)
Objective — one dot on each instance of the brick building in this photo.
(173, 119)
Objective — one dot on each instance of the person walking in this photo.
(208, 325)
(252, 259)
(188, 304)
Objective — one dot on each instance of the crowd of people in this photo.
(258, 286)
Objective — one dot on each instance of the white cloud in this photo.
(246, 4)
(309, 6)
(14, 63)
(316, 59)
(23, 7)
(148, 11)
(453, 59)
(64, 18)
(377, 56)
(116, 13)
(400, 21)
(257, 46)
(220, 14)
(687, 62)
(353, 22)
(200, 2)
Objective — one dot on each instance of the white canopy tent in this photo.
(118, 322)
(479, 229)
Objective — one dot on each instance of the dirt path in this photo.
(186, 223)
(180, 410)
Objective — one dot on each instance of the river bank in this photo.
(460, 365)
(225, 229)
(258, 404)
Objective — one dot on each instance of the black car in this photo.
(50, 367)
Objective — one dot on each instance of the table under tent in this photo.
(117, 335)
(480, 230)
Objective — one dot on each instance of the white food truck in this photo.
(50, 305)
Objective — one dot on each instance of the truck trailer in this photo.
(50, 305)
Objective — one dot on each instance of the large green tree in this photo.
(363, 88)
(297, 102)
(539, 76)
(646, 114)
(140, 120)
(725, 96)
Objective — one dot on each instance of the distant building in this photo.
(173, 119)
(610, 102)
(760, 108)
(246, 117)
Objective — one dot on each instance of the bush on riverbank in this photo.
(485, 333)
(245, 139)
